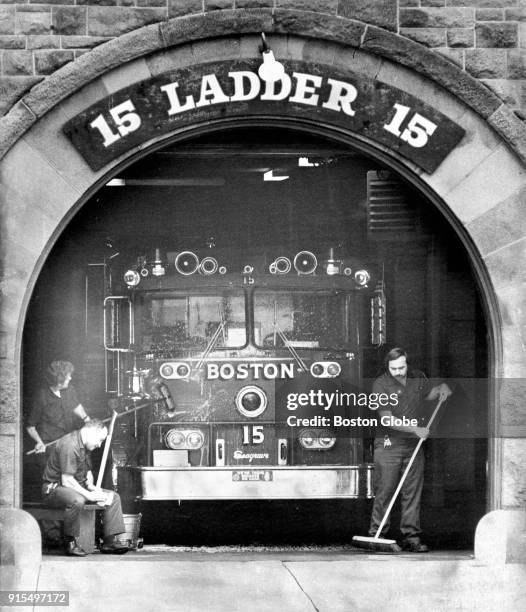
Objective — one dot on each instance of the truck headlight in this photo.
(325, 369)
(175, 370)
(184, 439)
(132, 278)
(362, 277)
(316, 439)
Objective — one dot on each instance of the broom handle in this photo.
(121, 414)
(406, 471)
(106, 451)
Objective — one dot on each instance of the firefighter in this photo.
(395, 444)
(54, 411)
(68, 483)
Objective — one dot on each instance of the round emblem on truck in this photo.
(251, 401)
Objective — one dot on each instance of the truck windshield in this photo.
(303, 319)
(175, 322)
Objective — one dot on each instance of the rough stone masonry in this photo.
(486, 38)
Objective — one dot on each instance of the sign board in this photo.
(218, 90)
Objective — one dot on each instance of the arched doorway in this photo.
(473, 195)
(322, 194)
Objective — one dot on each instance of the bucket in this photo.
(132, 527)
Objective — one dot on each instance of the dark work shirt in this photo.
(53, 416)
(68, 456)
(410, 398)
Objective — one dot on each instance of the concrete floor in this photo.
(326, 580)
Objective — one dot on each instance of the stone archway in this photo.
(480, 185)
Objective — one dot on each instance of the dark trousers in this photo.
(389, 465)
(73, 503)
(51, 530)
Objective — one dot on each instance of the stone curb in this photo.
(70, 78)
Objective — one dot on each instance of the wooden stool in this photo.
(86, 538)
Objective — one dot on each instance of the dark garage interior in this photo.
(212, 191)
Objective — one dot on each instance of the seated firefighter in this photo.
(68, 483)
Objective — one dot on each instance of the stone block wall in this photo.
(487, 38)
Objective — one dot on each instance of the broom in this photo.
(376, 543)
(120, 414)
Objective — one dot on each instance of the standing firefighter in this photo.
(56, 407)
(395, 444)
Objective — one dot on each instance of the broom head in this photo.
(376, 544)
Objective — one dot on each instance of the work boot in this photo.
(73, 549)
(111, 546)
(414, 544)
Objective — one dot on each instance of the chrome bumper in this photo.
(166, 483)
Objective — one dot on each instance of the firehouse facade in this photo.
(356, 98)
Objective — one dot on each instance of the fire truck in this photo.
(204, 351)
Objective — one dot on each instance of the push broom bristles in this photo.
(375, 544)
